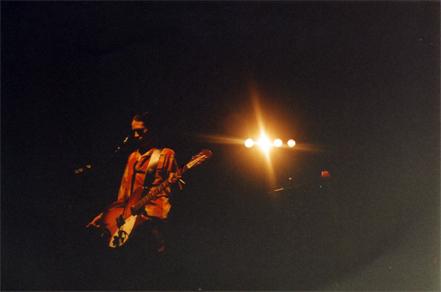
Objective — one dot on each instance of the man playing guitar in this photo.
(147, 168)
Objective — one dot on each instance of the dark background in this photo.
(359, 81)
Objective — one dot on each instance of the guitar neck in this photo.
(151, 195)
(153, 192)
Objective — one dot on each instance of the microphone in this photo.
(83, 169)
(124, 142)
(89, 166)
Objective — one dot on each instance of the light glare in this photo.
(264, 143)
(278, 143)
(291, 143)
(249, 143)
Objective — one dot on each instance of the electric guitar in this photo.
(121, 218)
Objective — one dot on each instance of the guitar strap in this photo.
(151, 168)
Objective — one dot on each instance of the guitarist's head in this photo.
(141, 132)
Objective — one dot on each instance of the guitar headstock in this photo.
(199, 158)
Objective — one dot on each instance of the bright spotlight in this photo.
(291, 143)
(264, 143)
(277, 143)
(249, 143)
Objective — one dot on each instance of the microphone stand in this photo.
(89, 166)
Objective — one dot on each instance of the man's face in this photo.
(139, 131)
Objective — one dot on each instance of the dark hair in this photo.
(145, 117)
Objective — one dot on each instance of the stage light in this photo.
(277, 143)
(249, 143)
(325, 173)
(291, 143)
(264, 143)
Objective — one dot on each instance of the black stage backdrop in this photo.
(359, 81)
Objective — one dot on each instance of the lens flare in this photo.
(264, 143)
(277, 143)
(249, 143)
(291, 143)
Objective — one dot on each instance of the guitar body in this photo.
(119, 222)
